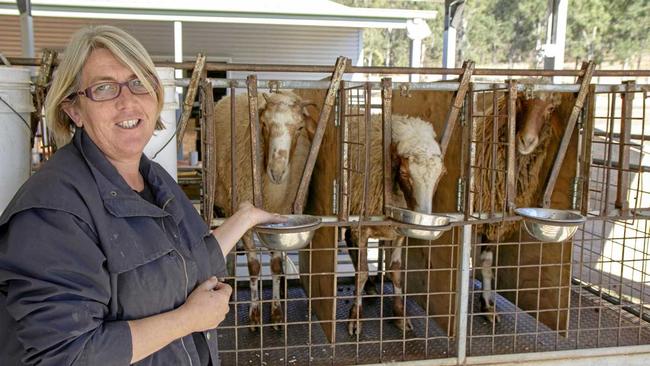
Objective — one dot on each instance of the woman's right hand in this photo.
(207, 305)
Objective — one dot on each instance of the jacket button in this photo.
(113, 193)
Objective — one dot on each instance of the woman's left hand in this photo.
(258, 216)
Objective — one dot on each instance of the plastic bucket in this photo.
(15, 153)
(156, 149)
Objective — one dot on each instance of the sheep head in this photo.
(532, 115)
(417, 161)
(283, 116)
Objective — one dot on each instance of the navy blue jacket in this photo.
(81, 253)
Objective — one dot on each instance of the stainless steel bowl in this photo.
(424, 234)
(550, 225)
(427, 226)
(416, 218)
(294, 234)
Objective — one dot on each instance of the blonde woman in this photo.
(103, 259)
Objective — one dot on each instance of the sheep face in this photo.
(418, 179)
(282, 118)
(532, 114)
(417, 161)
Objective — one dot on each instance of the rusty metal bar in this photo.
(387, 121)
(467, 142)
(588, 136)
(214, 66)
(456, 105)
(608, 156)
(367, 142)
(199, 70)
(233, 152)
(623, 182)
(493, 144)
(511, 184)
(301, 195)
(256, 152)
(584, 81)
(208, 154)
(344, 158)
(42, 80)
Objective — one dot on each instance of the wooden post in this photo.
(511, 192)
(208, 153)
(456, 105)
(256, 152)
(189, 99)
(339, 69)
(588, 132)
(584, 81)
(623, 182)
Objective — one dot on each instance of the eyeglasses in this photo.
(109, 90)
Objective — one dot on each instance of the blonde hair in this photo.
(67, 79)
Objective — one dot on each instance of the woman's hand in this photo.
(207, 305)
(258, 216)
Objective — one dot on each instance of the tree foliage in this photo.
(508, 32)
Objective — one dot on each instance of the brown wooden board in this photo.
(442, 259)
(551, 262)
(323, 259)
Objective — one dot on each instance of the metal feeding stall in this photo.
(493, 287)
(587, 291)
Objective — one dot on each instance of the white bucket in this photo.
(167, 156)
(15, 154)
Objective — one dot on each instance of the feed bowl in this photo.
(429, 226)
(424, 234)
(294, 234)
(416, 218)
(550, 225)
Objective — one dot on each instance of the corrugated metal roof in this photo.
(313, 12)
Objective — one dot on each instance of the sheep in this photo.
(538, 134)
(286, 131)
(417, 166)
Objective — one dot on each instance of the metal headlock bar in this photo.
(197, 73)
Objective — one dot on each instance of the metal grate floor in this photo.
(380, 341)
(592, 323)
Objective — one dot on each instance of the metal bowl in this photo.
(424, 234)
(426, 226)
(294, 234)
(416, 218)
(550, 225)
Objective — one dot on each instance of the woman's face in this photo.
(120, 127)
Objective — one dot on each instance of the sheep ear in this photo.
(556, 99)
(310, 125)
(261, 102)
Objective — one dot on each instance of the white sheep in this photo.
(286, 129)
(417, 166)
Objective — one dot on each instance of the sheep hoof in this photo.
(370, 288)
(354, 325)
(254, 318)
(277, 317)
(404, 324)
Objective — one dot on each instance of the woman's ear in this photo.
(70, 108)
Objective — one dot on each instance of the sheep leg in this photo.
(402, 322)
(370, 286)
(277, 315)
(254, 266)
(361, 276)
(487, 295)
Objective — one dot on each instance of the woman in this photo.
(103, 259)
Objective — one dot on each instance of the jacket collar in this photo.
(119, 199)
